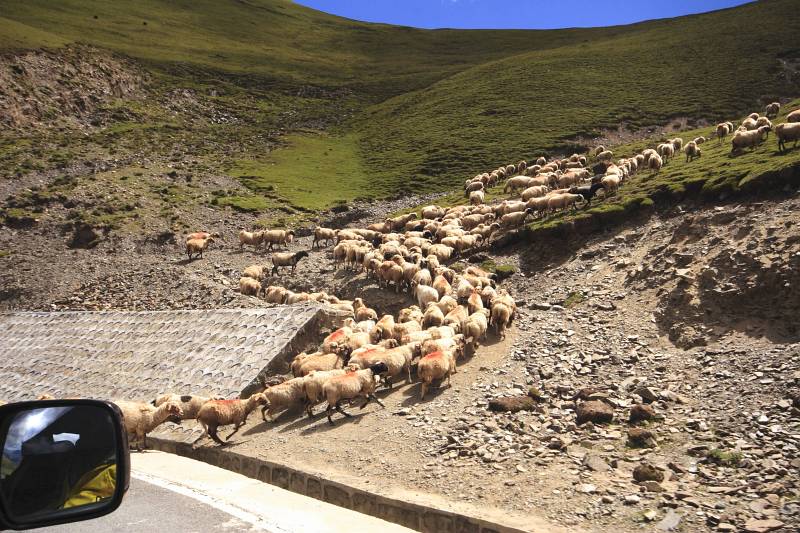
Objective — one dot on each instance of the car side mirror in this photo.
(62, 461)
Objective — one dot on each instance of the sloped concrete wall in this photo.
(137, 355)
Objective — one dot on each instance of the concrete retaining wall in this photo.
(410, 509)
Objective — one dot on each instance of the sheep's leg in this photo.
(264, 414)
(338, 407)
(373, 397)
(201, 437)
(424, 390)
(329, 412)
(235, 429)
(212, 432)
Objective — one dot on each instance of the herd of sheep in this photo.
(454, 308)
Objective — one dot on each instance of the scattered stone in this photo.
(594, 411)
(762, 526)
(650, 515)
(512, 404)
(595, 463)
(670, 522)
(647, 472)
(641, 413)
(646, 394)
(588, 488)
(536, 394)
(632, 499)
(652, 486)
(641, 438)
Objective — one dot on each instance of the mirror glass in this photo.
(57, 459)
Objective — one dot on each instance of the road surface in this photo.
(170, 493)
(148, 507)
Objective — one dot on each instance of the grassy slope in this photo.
(269, 40)
(428, 107)
(538, 102)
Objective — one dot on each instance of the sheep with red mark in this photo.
(282, 397)
(350, 386)
(216, 413)
(196, 247)
(439, 365)
(190, 404)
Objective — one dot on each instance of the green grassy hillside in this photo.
(539, 102)
(375, 110)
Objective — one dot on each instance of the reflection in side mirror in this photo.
(62, 461)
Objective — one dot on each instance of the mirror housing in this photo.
(62, 461)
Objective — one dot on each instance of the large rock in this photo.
(641, 413)
(512, 404)
(641, 438)
(647, 472)
(594, 411)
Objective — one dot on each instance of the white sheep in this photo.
(477, 197)
(425, 294)
(666, 151)
(501, 318)
(787, 132)
(314, 383)
(432, 212)
(655, 163)
(254, 238)
(141, 418)
(723, 130)
(692, 151)
(323, 234)
(745, 139)
(793, 116)
(249, 287)
(605, 155)
(433, 316)
(216, 413)
(276, 295)
(277, 236)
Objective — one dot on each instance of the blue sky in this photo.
(507, 14)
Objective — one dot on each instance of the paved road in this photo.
(148, 508)
(172, 494)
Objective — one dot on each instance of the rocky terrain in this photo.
(686, 322)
